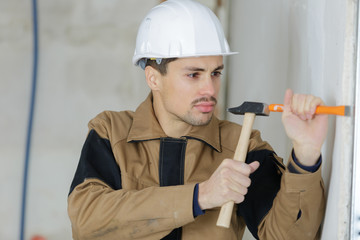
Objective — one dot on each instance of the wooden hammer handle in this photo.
(240, 155)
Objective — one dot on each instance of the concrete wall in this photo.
(85, 67)
(85, 52)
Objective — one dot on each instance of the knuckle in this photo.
(228, 163)
(226, 193)
(224, 172)
(245, 191)
(224, 183)
(240, 199)
(247, 182)
(225, 188)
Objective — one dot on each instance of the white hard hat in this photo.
(180, 28)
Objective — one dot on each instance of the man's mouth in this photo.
(205, 105)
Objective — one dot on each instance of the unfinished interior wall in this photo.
(85, 67)
(308, 46)
(85, 52)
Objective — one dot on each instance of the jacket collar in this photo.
(145, 126)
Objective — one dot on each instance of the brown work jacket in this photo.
(135, 182)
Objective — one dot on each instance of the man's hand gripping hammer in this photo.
(250, 110)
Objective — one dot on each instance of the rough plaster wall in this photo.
(15, 71)
(86, 47)
(84, 68)
(337, 220)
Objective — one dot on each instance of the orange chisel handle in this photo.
(335, 110)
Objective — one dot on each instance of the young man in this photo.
(164, 171)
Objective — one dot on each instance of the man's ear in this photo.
(153, 78)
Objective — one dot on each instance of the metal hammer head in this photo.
(258, 108)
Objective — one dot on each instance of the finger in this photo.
(287, 99)
(240, 179)
(238, 189)
(298, 105)
(232, 191)
(254, 166)
(239, 167)
(308, 107)
(236, 192)
(244, 180)
(316, 101)
(238, 198)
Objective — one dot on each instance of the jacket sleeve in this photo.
(298, 208)
(281, 204)
(99, 208)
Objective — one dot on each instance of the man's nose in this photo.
(207, 86)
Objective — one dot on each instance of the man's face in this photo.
(190, 88)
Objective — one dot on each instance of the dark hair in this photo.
(162, 67)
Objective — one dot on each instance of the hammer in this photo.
(250, 110)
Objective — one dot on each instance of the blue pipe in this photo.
(31, 117)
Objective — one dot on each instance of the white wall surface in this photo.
(307, 46)
(85, 67)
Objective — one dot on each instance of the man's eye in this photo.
(193, 75)
(216, 74)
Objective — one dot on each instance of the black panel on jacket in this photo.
(171, 161)
(265, 184)
(97, 161)
(171, 170)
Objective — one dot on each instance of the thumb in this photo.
(254, 165)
